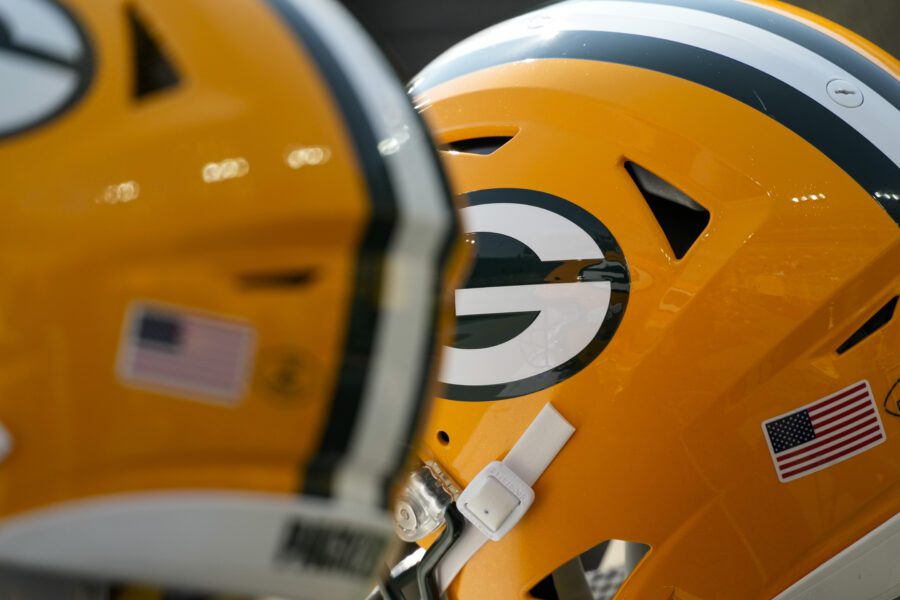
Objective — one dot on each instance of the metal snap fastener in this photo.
(844, 93)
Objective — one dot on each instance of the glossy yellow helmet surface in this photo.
(686, 222)
(223, 236)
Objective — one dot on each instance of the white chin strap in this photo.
(497, 498)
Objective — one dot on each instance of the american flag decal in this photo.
(828, 431)
(189, 355)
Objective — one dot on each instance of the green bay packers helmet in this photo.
(677, 355)
(224, 234)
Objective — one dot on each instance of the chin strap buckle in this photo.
(495, 500)
(493, 503)
(500, 495)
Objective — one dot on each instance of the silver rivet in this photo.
(845, 93)
(405, 516)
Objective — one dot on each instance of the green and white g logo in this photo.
(548, 289)
(45, 63)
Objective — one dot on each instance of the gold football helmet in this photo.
(679, 340)
(224, 231)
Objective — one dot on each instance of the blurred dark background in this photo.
(413, 32)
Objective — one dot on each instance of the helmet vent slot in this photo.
(153, 71)
(681, 218)
(288, 278)
(597, 573)
(876, 322)
(479, 145)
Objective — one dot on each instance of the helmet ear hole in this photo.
(597, 573)
(443, 438)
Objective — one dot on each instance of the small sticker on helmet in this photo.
(825, 432)
(185, 354)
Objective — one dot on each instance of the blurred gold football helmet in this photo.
(685, 220)
(224, 231)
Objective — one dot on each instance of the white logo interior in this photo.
(570, 313)
(41, 51)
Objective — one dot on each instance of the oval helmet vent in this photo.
(479, 145)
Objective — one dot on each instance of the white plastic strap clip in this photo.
(495, 500)
(500, 495)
